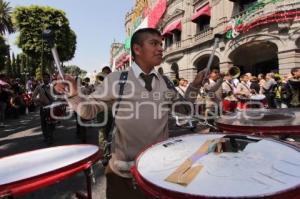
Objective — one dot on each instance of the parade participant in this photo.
(267, 89)
(42, 97)
(229, 100)
(293, 88)
(243, 92)
(182, 86)
(135, 127)
(213, 90)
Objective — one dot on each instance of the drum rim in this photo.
(135, 167)
(15, 188)
(56, 105)
(224, 125)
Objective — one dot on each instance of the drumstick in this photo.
(57, 61)
(211, 57)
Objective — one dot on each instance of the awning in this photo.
(205, 10)
(176, 25)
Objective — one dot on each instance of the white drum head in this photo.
(257, 97)
(262, 168)
(30, 164)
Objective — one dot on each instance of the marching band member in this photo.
(229, 101)
(213, 89)
(135, 128)
(42, 97)
(243, 92)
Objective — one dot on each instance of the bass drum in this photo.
(251, 168)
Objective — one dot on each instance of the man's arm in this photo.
(213, 87)
(89, 106)
(193, 90)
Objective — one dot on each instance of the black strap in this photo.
(48, 97)
(122, 82)
(171, 86)
(231, 88)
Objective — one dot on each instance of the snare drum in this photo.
(55, 110)
(26, 172)
(261, 168)
(229, 106)
(257, 101)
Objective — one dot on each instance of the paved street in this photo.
(24, 134)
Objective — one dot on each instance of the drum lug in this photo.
(134, 184)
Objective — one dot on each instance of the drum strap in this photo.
(46, 94)
(111, 133)
(171, 86)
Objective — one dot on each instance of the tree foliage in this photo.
(74, 70)
(6, 24)
(32, 20)
(4, 52)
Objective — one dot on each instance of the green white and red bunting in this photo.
(238, 25)
(150, 20)
(156, 13)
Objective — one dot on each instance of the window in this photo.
(203, 23)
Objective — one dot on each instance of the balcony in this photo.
(251, 15)
(201, 37)
(204, 36)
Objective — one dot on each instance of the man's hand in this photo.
(199, 79)
(67, 86)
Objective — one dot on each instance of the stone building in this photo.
(258, 36)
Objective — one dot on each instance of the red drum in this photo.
(25, 172)
(257, 101)
(229, 106)
(254, 101)
(56, 110)
(262, 121)
(251, 168)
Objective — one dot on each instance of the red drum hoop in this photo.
(246, 174)
(24, 178)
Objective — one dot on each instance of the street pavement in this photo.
(24, 134)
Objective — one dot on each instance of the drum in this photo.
(229, 106)
(257, 101)
(56, 110)
(248, 167)
(25, 172)
(262, 121)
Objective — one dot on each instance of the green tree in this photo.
(8, 70)
(13, 66)
(6, 24)
(4, 52)
(38, 75)
(18, 65)
(74, 70)
(31, 21)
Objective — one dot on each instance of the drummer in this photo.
(42, 97)
(243, 91)
(135, 128)
(229, 99)
(213, 89)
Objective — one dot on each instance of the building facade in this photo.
(258, 36)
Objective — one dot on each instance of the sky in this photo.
(97, 23)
